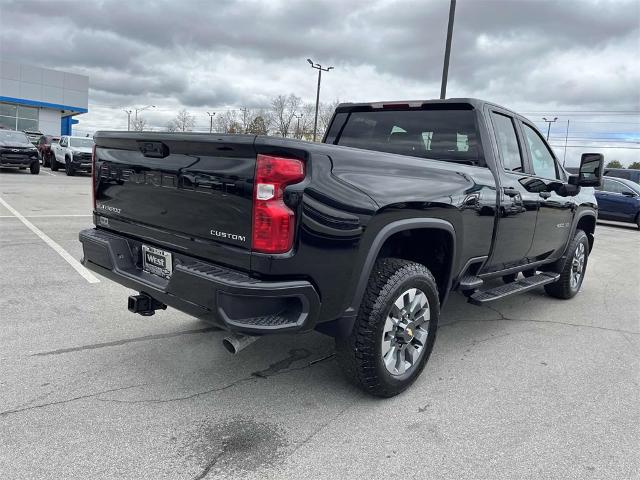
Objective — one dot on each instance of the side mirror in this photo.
(590, 172)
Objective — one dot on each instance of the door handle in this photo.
(545, 194)
(511, 192)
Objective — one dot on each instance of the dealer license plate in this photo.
(156, 261)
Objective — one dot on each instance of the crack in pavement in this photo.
(207, 468)
(271, 371)
(503, 317)
(69, 400)
(313, 434)
(116, 343)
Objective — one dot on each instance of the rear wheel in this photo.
(45, 159)
(34, 168)
(54, 163)
(395, 330)
(574, 269)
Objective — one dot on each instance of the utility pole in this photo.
(447, 50)
(211, 115)
(566, 139)
(298, 117)
(244, 111)
(318, 67)
(549, 127)
(128, 112)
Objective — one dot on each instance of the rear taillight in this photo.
(93, 177)
(273, 221)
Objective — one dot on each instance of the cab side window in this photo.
(507, 140)
(612, 186)
(542, 159)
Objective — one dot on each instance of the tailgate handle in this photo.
(153, 149)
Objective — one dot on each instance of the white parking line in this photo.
(48, 173)
(86, 274)
(46, 216)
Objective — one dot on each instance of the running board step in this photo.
(519, 286)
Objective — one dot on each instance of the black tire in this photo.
(360, 354)
(509, 278)
(68, 169)
(564, 287)
(54, 163)
(638, 221)
(529, 273)
(45, 160)
(34, 168)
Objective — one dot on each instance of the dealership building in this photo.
(40, 99)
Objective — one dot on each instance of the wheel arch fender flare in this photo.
(379, 240)
(558, 265)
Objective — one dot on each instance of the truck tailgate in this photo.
(187, 192)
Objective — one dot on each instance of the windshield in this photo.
(15, 137)
(449, 135)
(631, 185)
(81, 142)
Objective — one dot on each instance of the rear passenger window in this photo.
(507, 142)
(447, 135)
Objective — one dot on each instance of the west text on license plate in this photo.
(156, 261)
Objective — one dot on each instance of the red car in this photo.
(44, 148)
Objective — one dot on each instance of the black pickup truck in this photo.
(361, 237)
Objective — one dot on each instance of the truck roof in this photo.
(474, 103)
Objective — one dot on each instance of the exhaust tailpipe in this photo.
(236, 342)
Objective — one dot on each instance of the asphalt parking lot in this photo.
(532, 387)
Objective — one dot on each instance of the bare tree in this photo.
(227, 122)
(184, 121)
(171, 126)
(139, 124)
(283, 107)
(325, 115)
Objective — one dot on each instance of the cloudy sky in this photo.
(577, 60)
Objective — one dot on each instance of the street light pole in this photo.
(141, 110)
(549, 127)
(128, 112)
(566, 139)
(211, 115)
(318, 67)
(447, 50)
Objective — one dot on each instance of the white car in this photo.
(74, 153)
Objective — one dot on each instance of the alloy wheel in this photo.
(577, 266)
(405, 332)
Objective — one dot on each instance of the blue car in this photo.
(619, 200)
